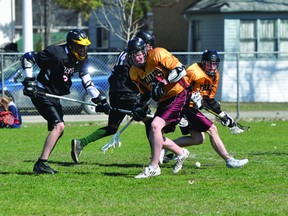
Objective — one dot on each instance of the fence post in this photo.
(2, 75)
(238, 87)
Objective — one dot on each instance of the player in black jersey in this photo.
(123, 94)
(57, 66)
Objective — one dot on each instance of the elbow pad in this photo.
(176, 74)
(27, 60)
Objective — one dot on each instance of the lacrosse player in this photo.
(57, 66)
(204, 77)
(158, 74)
(123, 94)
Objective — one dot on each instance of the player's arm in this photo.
(97, 98)
(29, 82)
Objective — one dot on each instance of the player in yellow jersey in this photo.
(204, 78)
(158, 74)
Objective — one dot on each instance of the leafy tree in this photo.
(85, 7)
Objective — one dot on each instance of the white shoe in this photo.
(180, 160)
(149, 172)
(162, 155)
(234, 163)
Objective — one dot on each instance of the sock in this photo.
(98, 134)
(42, 160)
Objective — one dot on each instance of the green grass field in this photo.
(104, 184)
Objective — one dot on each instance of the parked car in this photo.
(98, 70)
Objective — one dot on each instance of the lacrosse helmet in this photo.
(147, 37)
(136, 45)
(210, 61)
(77, 41)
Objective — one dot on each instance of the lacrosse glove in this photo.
(102, 104)
(30, 87)
(139, 112)
(197, 100)
(157, 90)
(226, 120)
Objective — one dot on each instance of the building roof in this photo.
(227, 6)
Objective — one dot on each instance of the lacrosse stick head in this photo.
(236, 130)
(113, 143)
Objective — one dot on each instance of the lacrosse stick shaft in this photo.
(218, 116)
(86, 103)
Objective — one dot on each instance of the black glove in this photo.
(30, 87)
(139, 112)
(157, 90)
(102, 104)
(226, 120)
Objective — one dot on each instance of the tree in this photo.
(85, 7)
(129, 13)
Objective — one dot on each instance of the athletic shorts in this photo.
(197, 121)
(173, 109)
(49, 108)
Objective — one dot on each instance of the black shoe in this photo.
(168, 157)
(43, 168)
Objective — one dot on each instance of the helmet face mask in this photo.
(77, 42)
(137, 52)
(210, 61)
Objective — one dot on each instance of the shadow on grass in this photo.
(116, 174)
(18, 173)
(277, 153)
(65, 164)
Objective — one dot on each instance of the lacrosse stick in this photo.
(128, 112)
(236, 129)
(115, 141)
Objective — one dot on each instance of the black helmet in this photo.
(77, 36)
(135, 45)
(210, 55)
(210, 61)
(147, 37)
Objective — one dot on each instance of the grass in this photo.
(255, 106)
(104, 184)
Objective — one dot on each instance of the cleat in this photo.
(180, 160)
(234, 163)
(43, 168)
(76, 150)
(169, 157)
(149, 172)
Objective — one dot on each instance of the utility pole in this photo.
(47, 23)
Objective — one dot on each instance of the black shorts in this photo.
(50, 109)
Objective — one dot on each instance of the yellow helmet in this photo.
(77, 37)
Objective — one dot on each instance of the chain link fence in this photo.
(252, 79)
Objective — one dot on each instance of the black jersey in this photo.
(120, 80)
(57, 67)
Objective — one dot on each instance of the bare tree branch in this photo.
(124, 12)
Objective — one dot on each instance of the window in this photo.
(102, 38)
(283, 31)
(266, 36)
(248, 38)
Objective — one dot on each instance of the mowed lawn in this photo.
(104, 184)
